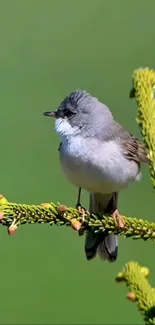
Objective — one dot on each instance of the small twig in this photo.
(140, 291)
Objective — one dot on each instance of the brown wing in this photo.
(134, 150)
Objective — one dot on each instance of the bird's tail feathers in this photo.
(105, 245)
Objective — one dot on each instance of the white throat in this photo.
(64, 128)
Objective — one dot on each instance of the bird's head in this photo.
(78, 113)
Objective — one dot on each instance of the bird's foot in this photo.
(82, 211)
(118, 219)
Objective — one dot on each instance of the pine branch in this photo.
(12, 215)
(140, 291)
(144, 92)
(133, 274)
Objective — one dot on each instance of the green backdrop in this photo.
(47, 49)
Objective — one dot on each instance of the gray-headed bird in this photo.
(100, 156)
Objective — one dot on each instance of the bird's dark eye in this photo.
(68, 113)
(64, 113)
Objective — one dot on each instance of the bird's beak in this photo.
(50, 114)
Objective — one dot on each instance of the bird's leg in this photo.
(77, 225)
(78, 204)
(118, 219)
(79, 207)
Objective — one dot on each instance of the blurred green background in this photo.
(48, 48)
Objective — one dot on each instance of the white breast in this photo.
(96, 167)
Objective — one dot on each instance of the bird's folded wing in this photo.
(134, 150)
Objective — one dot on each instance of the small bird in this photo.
(100, 156)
